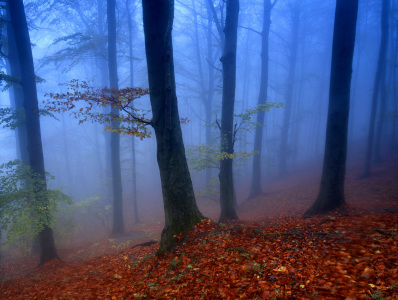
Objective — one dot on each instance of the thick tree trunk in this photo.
(30, 104)
(284, 152)
(262, 99)
(228, 60)
(376, 86)
(181, 211)
(118, 223)
(16, 96)
(331, 193)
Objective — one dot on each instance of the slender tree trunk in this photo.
(357, 64)
(133, 151)
(382, 82)
(331, 192)
(262, 99)
(376, 87)
(284, 152)
(118, 223)
(228, 61)
(66, 153)
(104, 75)
(181, 211)
(206, 96)
(210, 82)
(30, 104)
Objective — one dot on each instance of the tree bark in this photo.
(376, 86)
(16, 96)
(31, 108)
(331, 193)
(181, 211)
(118, 223)
(262, 99)
(228, 61)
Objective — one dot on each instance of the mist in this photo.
(286, 65)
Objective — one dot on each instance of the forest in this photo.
(199, 149)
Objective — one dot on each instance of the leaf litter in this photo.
(351, 254)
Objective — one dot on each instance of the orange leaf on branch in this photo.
(90, 99)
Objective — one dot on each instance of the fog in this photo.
(69, 41)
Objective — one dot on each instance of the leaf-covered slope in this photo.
(331, 257)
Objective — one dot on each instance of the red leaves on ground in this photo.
(338, 256)
(352, 256)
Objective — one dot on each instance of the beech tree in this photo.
(16, 95)
(228, 61)
(379, 81)
(331, 192)
(262, 98)
(181, 211)
(118, 223)
(133, 148)
(31, 109)
(295, 11)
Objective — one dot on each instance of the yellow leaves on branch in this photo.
(124, 117)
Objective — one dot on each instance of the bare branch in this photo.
(218, 124)
(251, 29)
(218, 69)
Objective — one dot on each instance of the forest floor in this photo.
(271, 252)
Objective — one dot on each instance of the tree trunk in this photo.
(118, 223)
(284, 152)
(382, 83)
(181, 211)
(30, 104)
(331, 193)
(210, 83)
(133, 151)
(104, 76)
(228, 61)
(394, 84)
(206, 95)
(376, 86)
(262, 99)
(16, 96)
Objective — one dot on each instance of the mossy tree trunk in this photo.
(331, 193)
(181, 211)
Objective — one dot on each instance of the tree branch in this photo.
(251, 29)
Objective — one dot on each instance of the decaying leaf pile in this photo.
(349, 255)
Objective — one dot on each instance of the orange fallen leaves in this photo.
(352, 256)
(241, 263)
